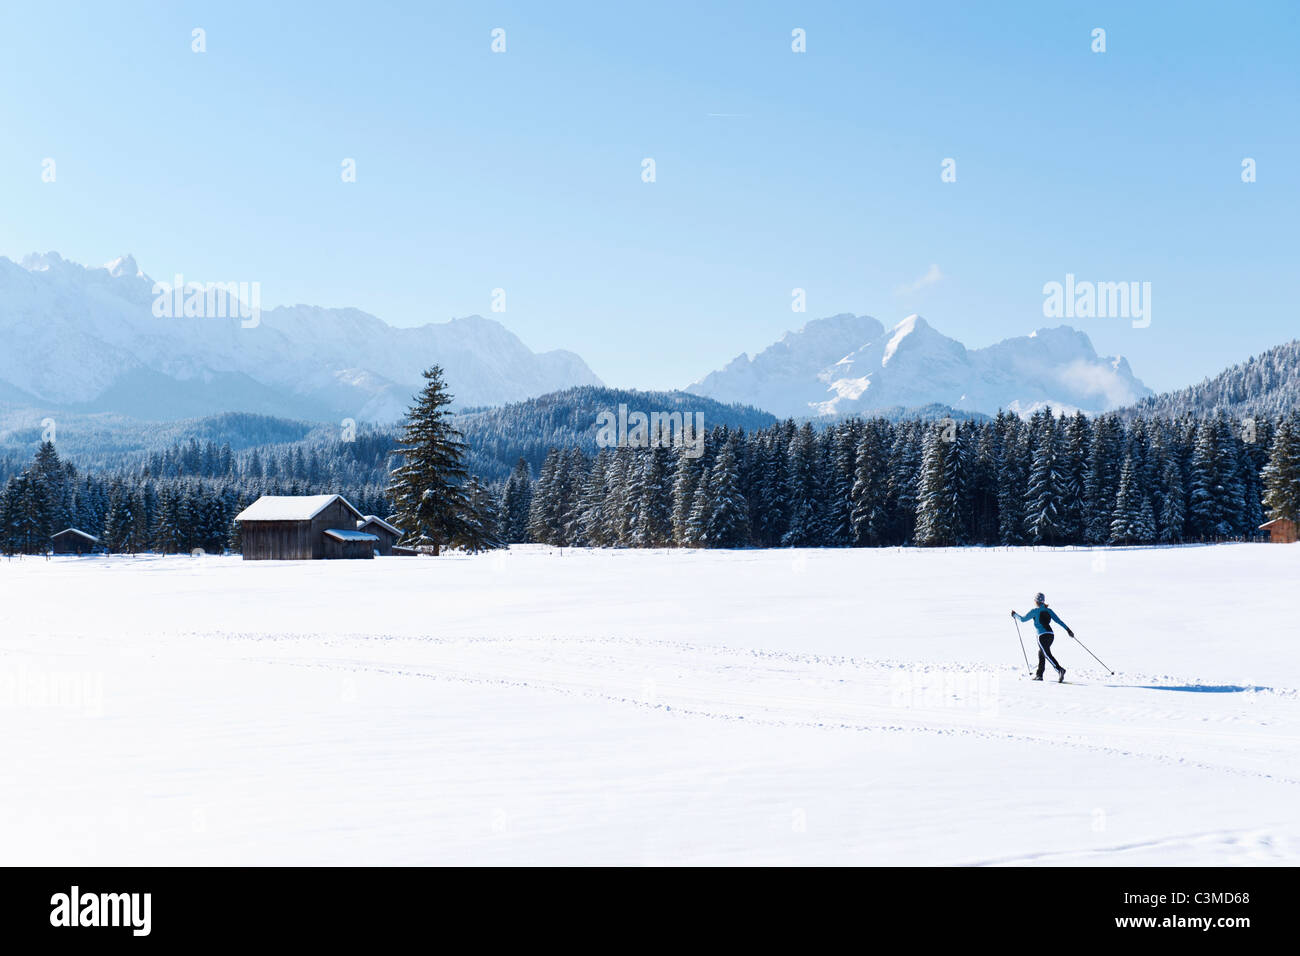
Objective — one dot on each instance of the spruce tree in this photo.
(685, 480)
(544, 512)
(1044, 497)
(867, 496)
(1281, 476)
(1124, 524)
(653, 520)
(516, 502)
(728, 519)
(805, 524)
(428, 488)
(934, 512)
(697, 522)
(1173, 508)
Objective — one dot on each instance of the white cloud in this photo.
(932, 275)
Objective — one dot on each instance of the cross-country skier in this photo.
(1042, 617)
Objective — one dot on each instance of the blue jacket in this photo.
(1037, 617)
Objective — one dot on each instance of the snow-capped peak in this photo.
(123, 266)
(40, 261)
(901, 331)
(821, 371)
(115, 354)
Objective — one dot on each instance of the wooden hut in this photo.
(301, 528)
(73, 541)
(1280, 530)
(347, 543)
(381, 529)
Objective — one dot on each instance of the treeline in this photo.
(189, 503)
(858, 483)
(872, 482)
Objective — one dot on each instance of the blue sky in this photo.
(775, 170)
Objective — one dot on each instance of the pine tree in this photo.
(544, 512)
(1281, 476)
(119, 526)
(728, 519)
(771, 521)
(1124, 523)
(620, 502)
(685, 479)
(867, 517)
(934, 513)
(235, 533)
(1101, 480)
(652, 527)
(1074, 470)
(428, 489)
(480, 525)
(1173, 512)
(1216, 497)
(805, 525)
(516, 502)
(593, 526)
(1044, 498)
(904, 471)
(1146, 524)
(843, 439)
(697, 523)
(1012, 479)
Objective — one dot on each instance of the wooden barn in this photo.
(1280, 530)
(299, 528)
(73, 541)
(381, 529)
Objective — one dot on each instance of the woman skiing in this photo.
(1042, 617)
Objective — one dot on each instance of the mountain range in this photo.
(848, 364)
(88, 340)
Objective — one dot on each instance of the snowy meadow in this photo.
(541, 706)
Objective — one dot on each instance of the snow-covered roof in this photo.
(88, 537)
(342, 534)
(290, 507)
(375, 519)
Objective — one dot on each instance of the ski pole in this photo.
(1022, 642)
(1094, 656)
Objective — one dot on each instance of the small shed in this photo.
(73, 541)
(346, 543)
(381, 529)
(1280, 530)
(293, 528)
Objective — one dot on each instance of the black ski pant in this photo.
(1045, 653)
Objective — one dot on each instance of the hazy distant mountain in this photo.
(852, 364)
(1267, 384)
(87, 340)
(496, 437)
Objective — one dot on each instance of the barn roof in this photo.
(290, 507)
(1276, 522)
(375, 519)
(88, 537)
(342, 534)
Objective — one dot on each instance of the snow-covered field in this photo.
(630, 707)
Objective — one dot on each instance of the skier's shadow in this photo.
(1203, 688)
